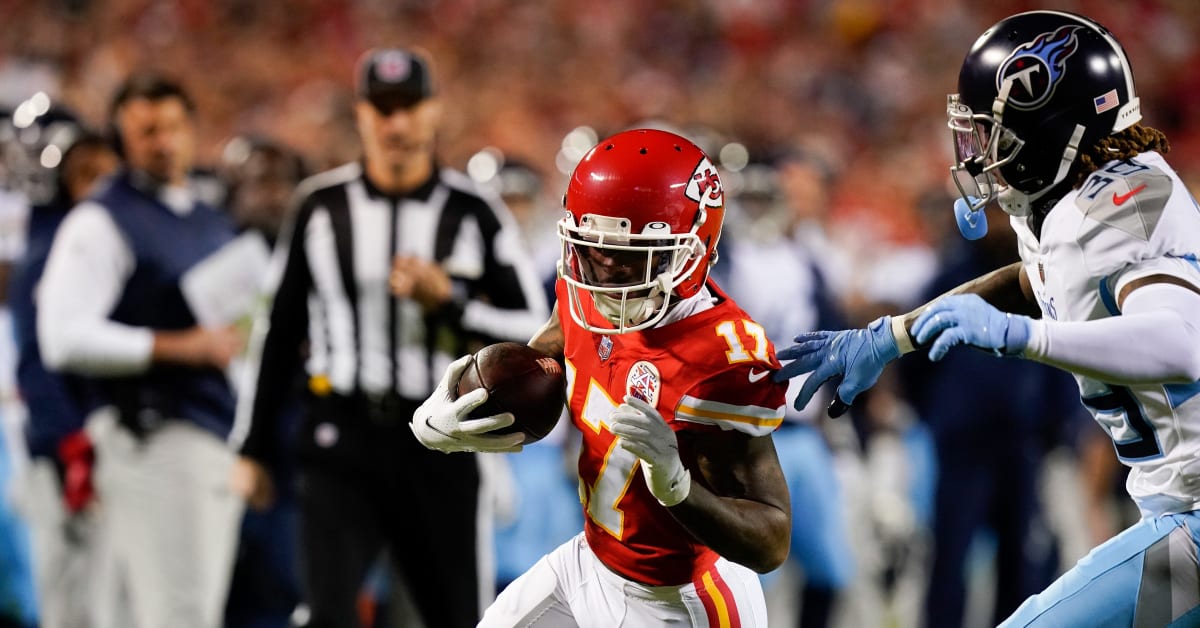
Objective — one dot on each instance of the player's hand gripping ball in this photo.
(521, 380)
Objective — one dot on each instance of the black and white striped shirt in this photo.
(330, 274)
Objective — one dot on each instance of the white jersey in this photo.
(1128, 220)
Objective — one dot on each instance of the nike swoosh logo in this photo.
(755, 376)
(1120, 200)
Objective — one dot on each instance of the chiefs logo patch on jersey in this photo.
(644, 382)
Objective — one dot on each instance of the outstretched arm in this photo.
(854, 358)
(1007, 289)
(1153, 340)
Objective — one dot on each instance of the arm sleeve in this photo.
(89, 263)
(275, 341)
(515, 304)
(1155, 340)
(743, 399)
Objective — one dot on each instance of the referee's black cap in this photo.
(392, 78)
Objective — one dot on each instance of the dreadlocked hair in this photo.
(1124, 145)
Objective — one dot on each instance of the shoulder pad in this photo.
(1132, 203)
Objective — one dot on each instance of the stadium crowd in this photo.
(827, 119)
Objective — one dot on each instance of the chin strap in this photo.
(1068, 158)
(1019, 204)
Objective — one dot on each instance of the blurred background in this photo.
(827, 117)
(862, 80)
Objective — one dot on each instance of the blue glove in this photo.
(968, 319)
(856, 356)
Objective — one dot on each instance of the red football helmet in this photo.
(644, 213)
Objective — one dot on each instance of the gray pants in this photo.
(72, 568)
(170, 519)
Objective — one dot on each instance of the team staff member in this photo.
(59, 487)
(392, 267)
(112, 308)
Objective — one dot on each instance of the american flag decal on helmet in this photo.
(1106, 101)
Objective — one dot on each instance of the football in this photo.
(521, 380)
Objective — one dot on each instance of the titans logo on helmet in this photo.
(1036, 68)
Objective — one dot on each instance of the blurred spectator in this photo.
(58, 491)
(458, 279)
(522, 188)
(18, 603)
(262, 176)
(126, 286)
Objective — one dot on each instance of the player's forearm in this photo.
(549, 339)
(1154, 341)
(744, 531)
(1006, 289)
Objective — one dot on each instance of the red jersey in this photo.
(709, 371)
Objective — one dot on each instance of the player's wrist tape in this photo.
(903, 341)
(670, 492)
(1016, 334)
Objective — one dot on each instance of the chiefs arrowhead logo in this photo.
(705, 185)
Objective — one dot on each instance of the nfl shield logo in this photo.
(643, 382)
(606, 347)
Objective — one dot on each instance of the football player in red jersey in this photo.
(667, 379)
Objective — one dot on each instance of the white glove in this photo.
(441, 422)
(646, 435)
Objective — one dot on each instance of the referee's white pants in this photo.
(170, 519)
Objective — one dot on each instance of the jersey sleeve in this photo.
(744, 398)
(1141, 221)
(1186, 269)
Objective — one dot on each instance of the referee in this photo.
(393, 266)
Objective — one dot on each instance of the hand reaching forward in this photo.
(968, 319)
(441, 422)
(645, 434)
(856, 357)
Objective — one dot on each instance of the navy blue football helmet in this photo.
(1034, 90)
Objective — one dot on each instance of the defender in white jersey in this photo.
(1046, 125)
